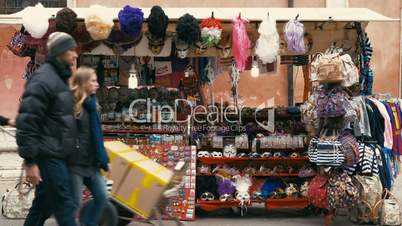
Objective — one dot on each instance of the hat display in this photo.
(157, 25)
(66, 20)
(99, 22)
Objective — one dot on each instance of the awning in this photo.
(252, 14)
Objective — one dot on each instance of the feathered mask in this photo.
(268, 43)
(294, 36)
(241, 43)
(99, 22)
(131, 20)
(157, 25)
(66, 20)
(36, 21)
(188, 30)
(243, 184)
(225, 187)
(211, 31)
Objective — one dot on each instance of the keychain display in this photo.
(183, 205)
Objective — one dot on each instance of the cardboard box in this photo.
(120, 163)
(138, 182)
(143, 186)
(113, 148)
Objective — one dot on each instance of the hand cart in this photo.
(117, 214)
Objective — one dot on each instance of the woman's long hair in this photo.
(78, 87)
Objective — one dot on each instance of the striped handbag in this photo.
(326, 150)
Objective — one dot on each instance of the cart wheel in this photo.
(109, 216)
(123, 214)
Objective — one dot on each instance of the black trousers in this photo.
(53, 195)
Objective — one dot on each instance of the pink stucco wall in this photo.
(385, 37)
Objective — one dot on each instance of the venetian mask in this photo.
(266, 155)
(225, 197)
(207, 196)
(182, 49)
(216, 154)
(304, 189)
(229, 151)
(200, 48)
(155, 44)
(291, 190)
(225, 45)
(203, 154)
(243, 197)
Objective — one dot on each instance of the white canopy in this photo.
(252, 14)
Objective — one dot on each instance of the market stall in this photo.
(157, 68)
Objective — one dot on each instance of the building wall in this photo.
(11, 70)
(385, 38)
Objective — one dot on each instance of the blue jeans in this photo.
(97, 186)
(53, 195)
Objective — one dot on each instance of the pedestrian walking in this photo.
(91, 156)
(47, 133)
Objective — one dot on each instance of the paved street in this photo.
(255, 217)
(9, 172)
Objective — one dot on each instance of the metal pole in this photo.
(290, 71)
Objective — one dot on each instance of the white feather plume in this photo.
(36, 21)
(242, 183)
(99, 22)
(267, 47)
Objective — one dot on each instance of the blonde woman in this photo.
(91, 156)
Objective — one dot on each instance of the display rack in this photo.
(242, 162)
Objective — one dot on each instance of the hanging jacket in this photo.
(396, 127)
(388, 139)
(377, 127)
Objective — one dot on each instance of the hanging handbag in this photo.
(309, 114)
(326, 150)
(370, 190)
(342, 193)
(17, 201)
(331, 103)
(349, 70)
(329, 68)
(317, 191)
(390, 210)
(350, 148)
(18, 45)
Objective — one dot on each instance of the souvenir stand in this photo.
(160, 55)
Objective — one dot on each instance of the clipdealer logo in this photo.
(203, 115)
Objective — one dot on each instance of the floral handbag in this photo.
(331, 103)
(317, 191)
(342, 193)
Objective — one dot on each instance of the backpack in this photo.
(317, 191)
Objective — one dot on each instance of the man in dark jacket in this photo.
(47, 133)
